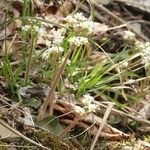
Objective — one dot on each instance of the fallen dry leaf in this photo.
(27, 120)
(99, 28)
(16, 14)
(6, 133)
(11, 46)
(65, 9)
(97, 57)
(10, 30)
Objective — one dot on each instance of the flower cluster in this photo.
(51, 37)
(128, 35)
(80, 23)
(87, 99)
(88, 103)
(26, 28)
(55, 36)
(52, 49)
(143, 47)
(53, 40)
(75, 18)
(145, 52)
(79, 110)
(78, 41)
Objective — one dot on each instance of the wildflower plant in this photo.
(59, 53)
(67, 47)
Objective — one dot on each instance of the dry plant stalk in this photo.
(108, 111)
(49, 100)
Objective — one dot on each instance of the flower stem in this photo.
(49, 101)
(26, 79)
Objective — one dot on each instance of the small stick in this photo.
(22, 136)
(108, 111)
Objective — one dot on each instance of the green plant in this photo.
(26, 11)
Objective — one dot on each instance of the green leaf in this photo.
(33, 102)
(52, 124)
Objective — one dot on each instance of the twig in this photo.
(139, 21)
(125, 115)
(135, 81)
(22, 136)
(108, 111)
(16, 146)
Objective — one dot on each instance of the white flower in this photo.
(62, 60)
(88, 25)
(48, 43)
(58, 39)
(146, 54)
(46, 54)
(87, 99)
(78, 41)
(92, 107)
(79, 110)
(26, 28)
(70, 20)
(79, 17)
(128, 35)
(30, 20)
(56, 36)
(87, 102)
(36, 28)
(55, 49)
(75, 18)
(42, 32)
(79, 22)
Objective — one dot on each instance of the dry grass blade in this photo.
(124, 115)
(109, 108)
